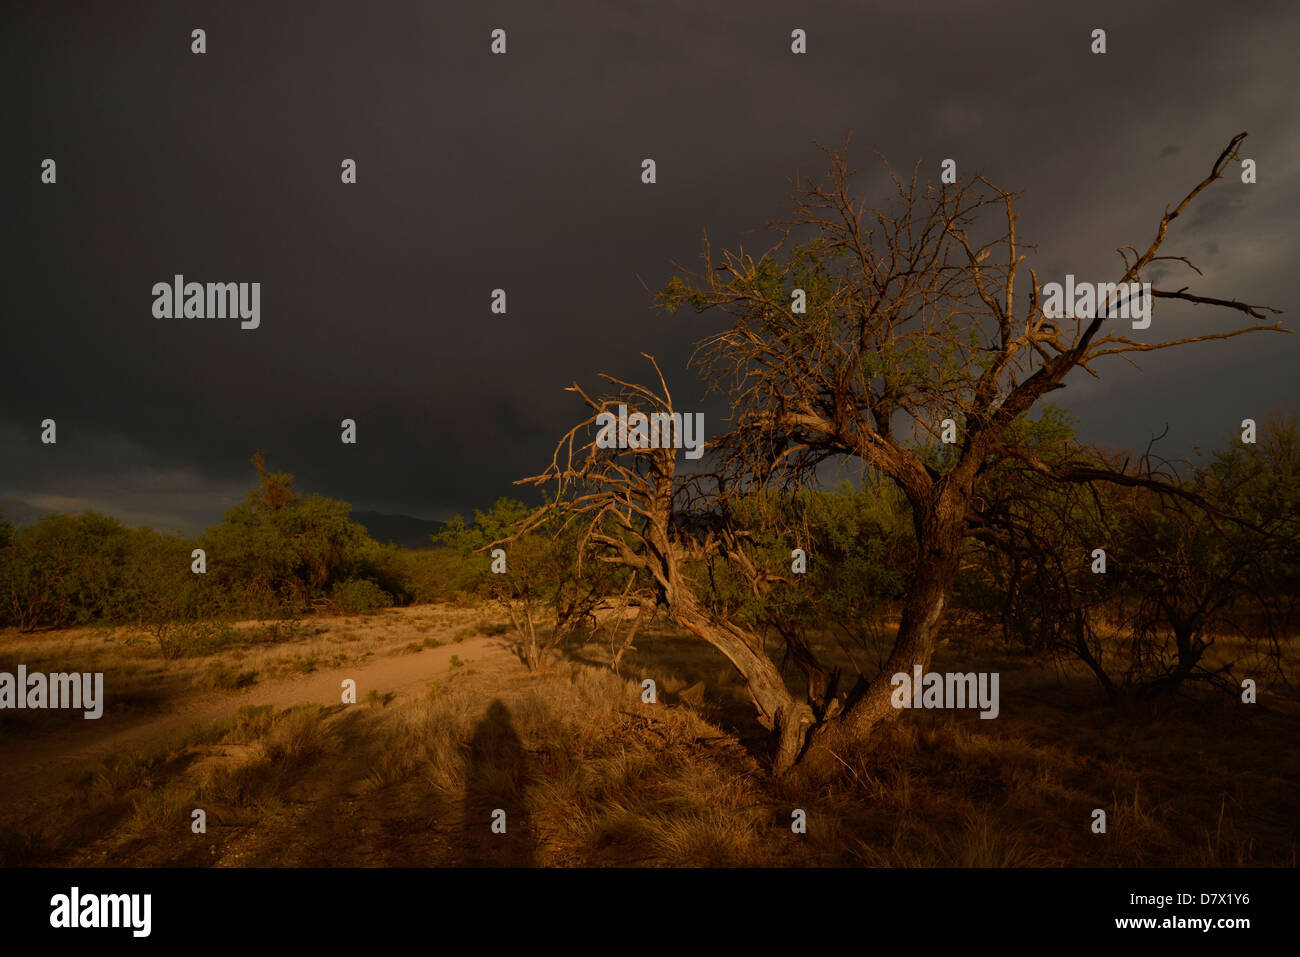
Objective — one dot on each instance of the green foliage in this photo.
(283, 558)
(1177, 580)
(360, 595)
(859, 549)
(279, 552)
(1261, 484)
(275, 554)
(546, 590)
(425, 575)
(75, 569)
(1206, 578)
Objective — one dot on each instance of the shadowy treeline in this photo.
(277, 554)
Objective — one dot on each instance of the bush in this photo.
(1187, 595)
(546, 592)
(272, 557)
(360, 595)
(279, 552)
(75, 569)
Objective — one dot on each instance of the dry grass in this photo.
(591, 776)
(281, 748)
(135, 806)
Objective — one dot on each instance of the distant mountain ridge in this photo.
(400, 530)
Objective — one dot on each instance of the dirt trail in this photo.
(29, 768)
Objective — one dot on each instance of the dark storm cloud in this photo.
(522, 172)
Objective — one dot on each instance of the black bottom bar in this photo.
(647, 907)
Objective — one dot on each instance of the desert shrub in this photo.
(547, 592)
(274, 556)
(385, 565)
(75, 569)
(360, 595)
(1183, 572)
(278, 552)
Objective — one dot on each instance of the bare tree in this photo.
(912, 317)
(635, 510)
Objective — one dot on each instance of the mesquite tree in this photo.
(857, 336)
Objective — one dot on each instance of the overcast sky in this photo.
(522, 172)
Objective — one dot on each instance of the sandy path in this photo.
(30, 768)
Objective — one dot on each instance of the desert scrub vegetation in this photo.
(96, 802)
(592, 776)
(132, 808)
(189, 639)
(276, 554)
(243, 791)
(249, 723)
(599, 778)
(937, 337)
(358, 595)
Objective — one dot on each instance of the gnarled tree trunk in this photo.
(778, 711)
(939, 539)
